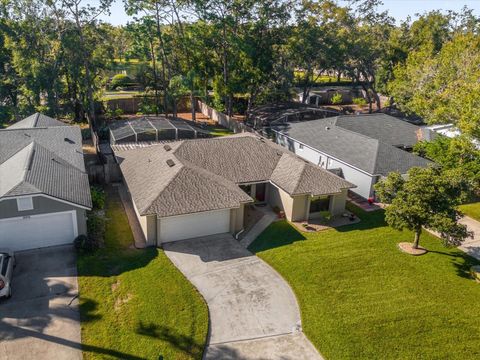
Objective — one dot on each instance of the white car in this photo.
(7, 262)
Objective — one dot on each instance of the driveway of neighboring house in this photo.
(41, 320)
(253, 312)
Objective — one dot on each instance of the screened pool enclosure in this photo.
(153, 129)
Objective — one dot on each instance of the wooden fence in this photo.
(221, 118)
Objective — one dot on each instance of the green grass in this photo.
(472, 210)
(218, 130)
(135, 304)
(361, 298)
(115, 95)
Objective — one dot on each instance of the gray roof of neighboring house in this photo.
(44, 160)
(345, 139)
(206, 174)
(36, 120)
(382, 127)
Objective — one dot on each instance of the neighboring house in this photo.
(194, 188)
(44, 190)
(450, 131)
(264, 116)
(364, 148)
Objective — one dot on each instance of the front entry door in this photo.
(260, 190)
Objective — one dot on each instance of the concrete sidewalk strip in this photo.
(258, 228)
(282, 347)
(471, 246)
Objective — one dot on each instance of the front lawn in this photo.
(135, 304)
(472, 210)
(361, 298)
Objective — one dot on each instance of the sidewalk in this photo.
(472, 245)
(268, 218)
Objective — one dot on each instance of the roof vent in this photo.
(167, 147)
(327, 127)
(70, 141)
(170, 163)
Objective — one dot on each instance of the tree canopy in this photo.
(56, 56)
(427, 198)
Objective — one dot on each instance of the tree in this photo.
(443, 88)
(428, 198)
(459, 154)
(84, 16)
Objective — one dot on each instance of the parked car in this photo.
(7, 262)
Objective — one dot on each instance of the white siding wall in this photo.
(363, 181)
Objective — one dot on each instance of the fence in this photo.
(135, 104)
(221, 118)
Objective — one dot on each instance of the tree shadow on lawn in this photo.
(460, 260)
(181, 342)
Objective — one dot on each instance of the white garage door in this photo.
(38, 231)
(194, 225)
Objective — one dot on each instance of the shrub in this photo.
(85, 244)
(98, 197)
(360, 101)
(121, 80)
(337, 99)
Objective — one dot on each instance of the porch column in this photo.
(253, 190)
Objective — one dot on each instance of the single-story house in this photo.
(200, 187)
(363, 148)
(44, 190)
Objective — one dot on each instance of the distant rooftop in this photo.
(270, 114)
(36, 120)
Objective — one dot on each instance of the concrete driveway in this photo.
(471, 245)
(41, 320)
(253, 311)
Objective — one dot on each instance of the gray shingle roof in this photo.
(43, 160)
(36, 120)
(382, 127)
(207, 173)
(339, 138)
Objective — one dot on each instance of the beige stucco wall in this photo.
(295, 208)
(236, 219)
(148, 224)
(337, 203)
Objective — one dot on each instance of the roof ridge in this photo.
(37, 116)
(161, 191)
(375, 162)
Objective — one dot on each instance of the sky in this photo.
(399, 9)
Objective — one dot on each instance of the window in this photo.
(25, 203)
(319, 204)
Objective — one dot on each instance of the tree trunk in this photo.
(155, 78)
(417, 238)
(192, 103)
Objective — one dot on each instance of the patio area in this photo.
(319, 224)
